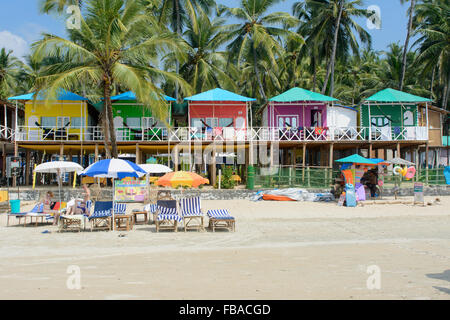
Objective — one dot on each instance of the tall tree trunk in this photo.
(109, 118)
(258, 78)
(432, 82)
(178, 30)
(330, 68)
(405, 49)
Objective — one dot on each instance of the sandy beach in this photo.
(280, 250)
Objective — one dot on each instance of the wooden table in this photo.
(136, 213)
(126, 219)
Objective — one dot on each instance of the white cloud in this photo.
(13, 42)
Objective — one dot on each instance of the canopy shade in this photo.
(356, 158)
(62, 95)
(129, 95)
(155, 168)
(113, 168)
(300, 94)
(401, 162)
(181, 178)
(219, 95)
(58, 166)
(395, 96)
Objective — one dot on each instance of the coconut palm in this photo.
(258, 35)
(408, 37)
(58, 6)
(205, 67)
(432, 23)
(116, 45)
(336, 17)
(9, 68)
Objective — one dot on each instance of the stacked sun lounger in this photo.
(221, 218)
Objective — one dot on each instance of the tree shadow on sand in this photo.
(441, 276)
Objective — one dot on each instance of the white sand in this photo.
(280, 250)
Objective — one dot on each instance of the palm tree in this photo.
(335, 17)
(58, 6)
(177, 13)
(114, 46)
(205, 67)
(257, 35)
(432, 23)
(9, 68)
(408, 36)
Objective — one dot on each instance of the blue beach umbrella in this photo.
(113, 168)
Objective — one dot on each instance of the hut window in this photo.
(225, 122)
(316, 118)
(147, 122)
(48, 121)
(408, 118)
(196, 123)
(77, 122)
(134, 122)
(212, 122)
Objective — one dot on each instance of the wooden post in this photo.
(27, 167)
(330, 160)
(271, 155)
(213, 166)
(426, 163)
(61, 152)
(398, 151)
(294, 157)
(175, 158)
(370, 150)
(304, 162)
(16, 154)
(4, 160)
(96, 152)
(138, 154)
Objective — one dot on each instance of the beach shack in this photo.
(394, 115)
(219, 115)
(67, 117)
(133, 121)
(299, 114)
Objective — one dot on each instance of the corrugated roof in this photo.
(300, 94)
(395, 96)
(62, 95)
(219, 95)
(129, 95)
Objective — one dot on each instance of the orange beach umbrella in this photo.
(181, 178)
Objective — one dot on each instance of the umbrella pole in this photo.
(114, 197)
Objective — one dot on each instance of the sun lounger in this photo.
(221, 218)
(101, 218)
(167, 215)
(191, 213)
(36, 212)
(74, 222)
(152, 211)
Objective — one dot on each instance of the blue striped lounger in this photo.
(221, 218)
(191, 213)
(167, 216)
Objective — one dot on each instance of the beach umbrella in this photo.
(400, 162)
(181, 178)
(58, 167)
(155, 168)
(115, 169)
(356, 158)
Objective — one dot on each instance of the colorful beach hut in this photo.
(301, 109)
(220, 112)
(131, 118)
(66, 117)
(395, 115)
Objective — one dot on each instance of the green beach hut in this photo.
(135, 122)
(395, 115)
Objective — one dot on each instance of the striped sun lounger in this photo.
(101, 218)
(191, 213)
(167, 215)
(74, 222)
(221, 218)
(152, 210)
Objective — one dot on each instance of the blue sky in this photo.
(21, 23)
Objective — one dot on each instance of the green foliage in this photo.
(227, 181)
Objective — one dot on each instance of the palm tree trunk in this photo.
(178, 27)
(255, 62)
(432, 82)
(405, 49)
(330, 68)
(109, 118)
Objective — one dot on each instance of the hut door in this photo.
(316, 118)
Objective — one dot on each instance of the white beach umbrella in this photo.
(155, 168)
(58, 167)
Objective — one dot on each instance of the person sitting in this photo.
(79, 206)
(370, 179)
